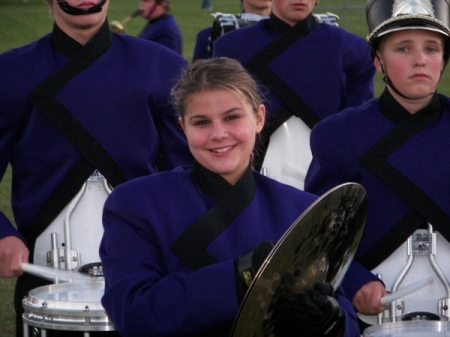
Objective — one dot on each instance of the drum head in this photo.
(73, 296)
(409, 329)
(318, 247)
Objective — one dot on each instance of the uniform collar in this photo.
(396, 113)
(279, 26)
(68, 47)
(152, 21)
(212, 184)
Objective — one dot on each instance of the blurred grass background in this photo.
(22, 23)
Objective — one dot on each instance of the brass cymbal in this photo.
(318, 247)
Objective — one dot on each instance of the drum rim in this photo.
(84, 316)
(416, 325)
(69, 326)
(35, 303)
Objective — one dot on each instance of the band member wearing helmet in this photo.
(311, 70)
(161, 27)
(79, 99)
(252, 11)
(394, 145)
(181, 247)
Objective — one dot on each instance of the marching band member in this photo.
(311, 70)
(174, 242)
(79, 99)
(206, 5)
(252, 10)
(393, 145)
(161, 27)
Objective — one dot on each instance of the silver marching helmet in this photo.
(387, 16)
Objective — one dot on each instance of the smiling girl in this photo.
(174, 242)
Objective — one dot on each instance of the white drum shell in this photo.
(67, 306)
(409, 329)
(289, 155)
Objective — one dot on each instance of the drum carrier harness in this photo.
(94, 156)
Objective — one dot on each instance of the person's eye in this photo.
(231, 117)
(201, 122)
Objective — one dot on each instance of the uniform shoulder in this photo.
(358, 113)
(23, 60)
(242, 43)
(340, 34)
(338, 30)
(204, 32)
(167, 19)
(242, 34)
(18, 53)
(277, 188)
(135, 47)
(174, 179)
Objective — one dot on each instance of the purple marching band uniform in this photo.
(201, 44)
(129, 115)
(41, 156)
(376, 146)
(164, 30)
(320, 70)
(165, 293)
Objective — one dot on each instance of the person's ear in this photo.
(260, 118)
(378, 62)
(181, 122)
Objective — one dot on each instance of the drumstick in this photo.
(50, 273)
(409, 289)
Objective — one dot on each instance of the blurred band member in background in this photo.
(251, 10)
(206, 5)
(161, 27)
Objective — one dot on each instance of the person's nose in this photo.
(420, 58)
(218, 131)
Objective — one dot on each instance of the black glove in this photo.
(248, 265)
(314, 313)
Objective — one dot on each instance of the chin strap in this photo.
(79, 11)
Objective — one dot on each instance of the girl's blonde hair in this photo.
(212, 74)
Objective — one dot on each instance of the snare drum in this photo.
(68, 307)
(409, 329)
